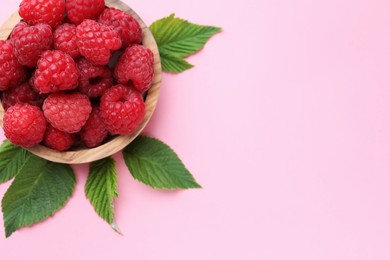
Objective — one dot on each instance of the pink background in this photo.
(285, 121)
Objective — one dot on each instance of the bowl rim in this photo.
(121, 141)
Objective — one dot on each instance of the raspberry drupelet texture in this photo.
(34, 12)
(57, 139)
(56, 71)
(30, 42)
(31, 82)
(79, 10)
(93, 132)
(24, 125)
(127, 27)
(11, 72)
(136, 66)
(96, 41)
(94, 80)
(22, 94)
(65, 39)
(67, 112)
(122, 109)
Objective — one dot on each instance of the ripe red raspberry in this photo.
(65, 39)
(57, 139)
(122, 109)
(79, 10)
(11, 72)
(22, 94)
(135, 65)
(93, 132)
(94, 80)
(30, 42)
(24, 125)
(31, 82)
(96, 41)
(67, 112)
(56, 71)
(51, 12)
(128, 28)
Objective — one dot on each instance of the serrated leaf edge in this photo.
(113, 224)
(60, 206)
(198, 186)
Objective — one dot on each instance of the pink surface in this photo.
(285, 121)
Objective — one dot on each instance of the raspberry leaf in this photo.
(13, 160)
(37, 192)
(101, 189)
(174, 64)
(155, 164)
(179, 38)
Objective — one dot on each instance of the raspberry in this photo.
(34, 12)
(67, 112)
(128, 28)
(57, 139)
(65, 39)
(30, 42)
(94, 80)
(56, 71)
(24, 125)
(122, 109)
(11, 72)
(136, 66)
(79, 10)
(31, 82)
(22, 94)
(96, 41)
(93, 132)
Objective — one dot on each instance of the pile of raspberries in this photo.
(73, 72)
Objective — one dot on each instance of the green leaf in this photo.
(101, 189)
(174, 64)
(13, 160)
(36, 193)
(155, 164)
(179, 38)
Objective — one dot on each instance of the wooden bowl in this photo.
(119, 142)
